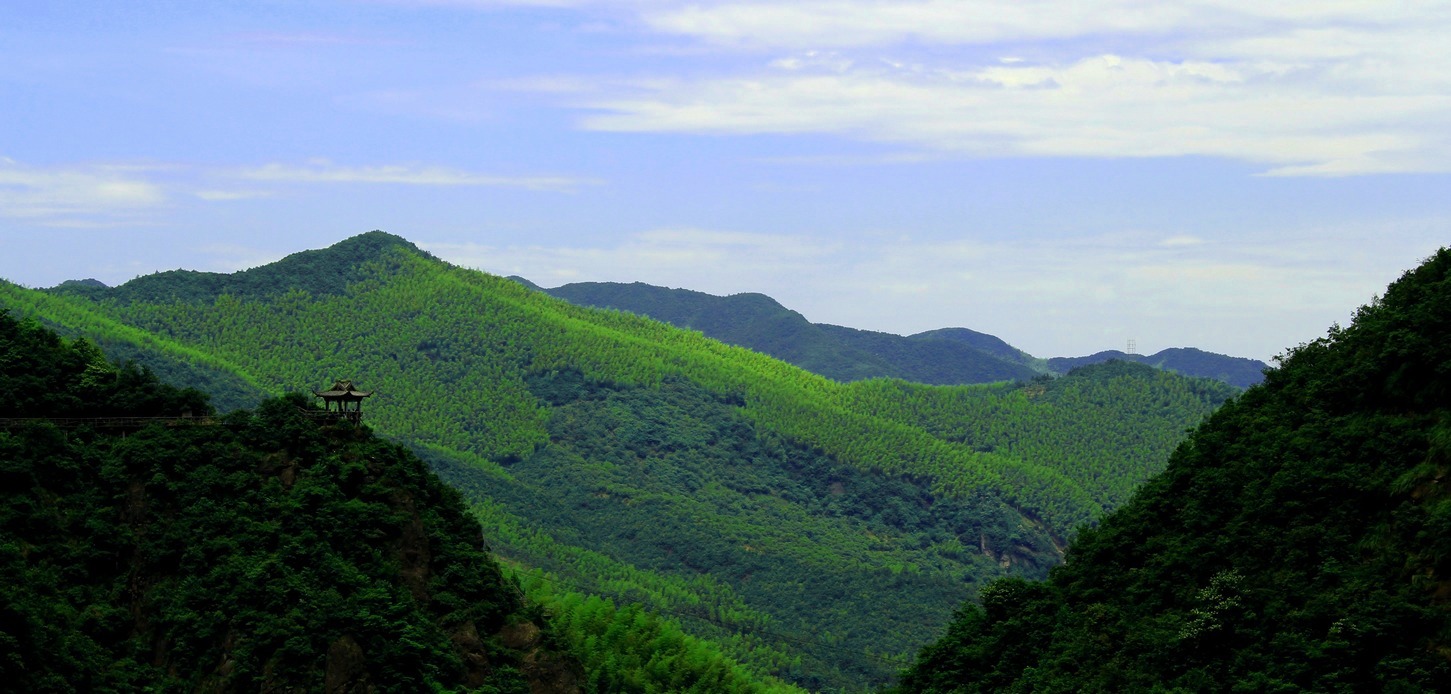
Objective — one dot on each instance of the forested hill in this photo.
(263, 550)
(323, 272)
(1300, 540)
(811, 530)
(941, 357)
(1236, 371)
(983, 342)
(758, 322)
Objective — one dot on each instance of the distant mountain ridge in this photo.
(947, 356)
(760, 323)
(1236, 371)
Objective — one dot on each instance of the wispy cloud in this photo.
(1102, 106)
(844, 23)
(1301, 88)
(326, 172)
(77, 195)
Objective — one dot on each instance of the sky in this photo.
(1232, 175)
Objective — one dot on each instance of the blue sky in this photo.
(1225, 174)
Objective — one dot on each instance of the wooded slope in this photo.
(1300, 540)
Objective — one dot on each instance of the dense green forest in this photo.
(261, 550)
(1299, 540)
(808, 529)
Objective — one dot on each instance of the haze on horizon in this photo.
(1223, 174)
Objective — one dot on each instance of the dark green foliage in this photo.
(42, 376)
(1236, 371)
(982, 342)
(1297, 541)
(253, 552)
(758, 322)
(225, 389)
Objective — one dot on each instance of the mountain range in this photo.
(946, 356)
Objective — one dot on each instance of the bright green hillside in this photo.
(813, 530)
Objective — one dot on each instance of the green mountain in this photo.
(810, 530)
(1236, 371)
(941, 357)
(758, 322)
(983, 342)
(151, 545)
(1300, 540)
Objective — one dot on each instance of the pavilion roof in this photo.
(343, 389)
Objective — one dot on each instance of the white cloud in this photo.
(845, 23)
(76, 195)
(1100, 106)
(830, 61)
(326, 172)
(1302, 88)
(1329, 88)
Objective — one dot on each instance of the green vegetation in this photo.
(257, 551)
(1092, 426)
(1300, 540)
(819, 530)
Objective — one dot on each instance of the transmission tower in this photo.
(1132, 347)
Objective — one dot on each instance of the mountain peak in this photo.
(320, 272)
(368, 242)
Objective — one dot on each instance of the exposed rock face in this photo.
(472, 651)
(347, 668)
(553, 673)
